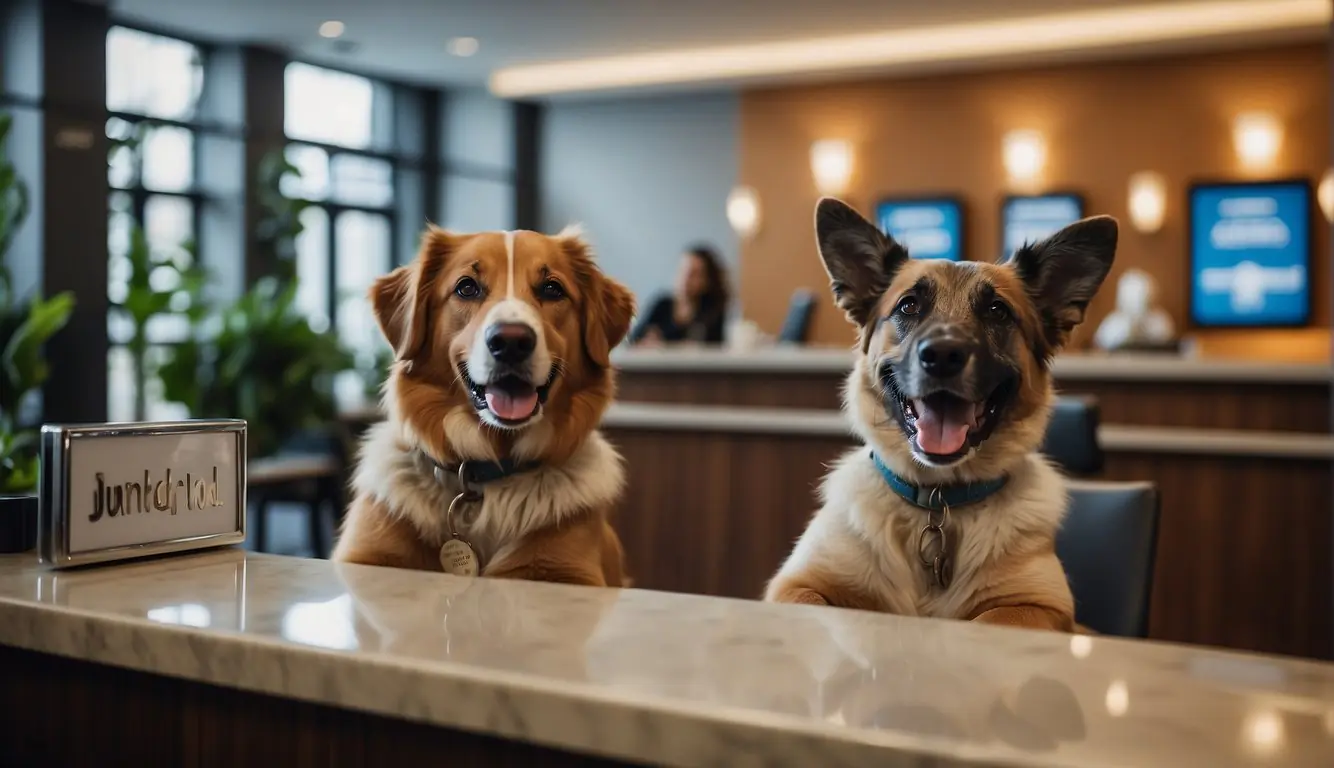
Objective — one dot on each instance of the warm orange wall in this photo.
(1102, 122)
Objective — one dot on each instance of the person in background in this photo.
(695, 310)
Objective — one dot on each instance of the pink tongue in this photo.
(942, 427)
(511, 407)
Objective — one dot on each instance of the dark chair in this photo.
(797, 324)
(310, 469)
(1072, 435)
(1107, 546)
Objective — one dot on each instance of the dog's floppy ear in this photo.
(607, 315)
(609, 307)
(1063, 272)
(860, 259)
(401, 299)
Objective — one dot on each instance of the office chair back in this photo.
(797, 324)
(1108, 547)
(1072, 435)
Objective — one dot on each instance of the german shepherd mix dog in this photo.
(948, 511)
(489, 462)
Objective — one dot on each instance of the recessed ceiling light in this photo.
(1081, 31)
(332, 29)
(463, 46)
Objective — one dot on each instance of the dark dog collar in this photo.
(937, 497)
(477, 472)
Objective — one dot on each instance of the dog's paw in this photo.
(799, 596)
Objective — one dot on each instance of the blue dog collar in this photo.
(937, 497)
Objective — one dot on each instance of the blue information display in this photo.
(1028, 219)
(929, 229)
(1250, 248)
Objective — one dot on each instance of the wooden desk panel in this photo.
(1244, 545)
(1244, 550)
(65, 712)
(1206, 405)
(1276, 407)
(821, 391)
(714, 514)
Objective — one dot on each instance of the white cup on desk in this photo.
(744, 335)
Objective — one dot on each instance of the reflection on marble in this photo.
(186, 614)
(674, 679)
(325, 624)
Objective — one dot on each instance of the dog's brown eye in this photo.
(998, 311)
(550, 290)
(907, 306)
(467, 288)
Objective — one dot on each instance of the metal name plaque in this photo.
(119, 491)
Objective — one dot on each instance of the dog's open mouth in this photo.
(943, 427)
(510, 399)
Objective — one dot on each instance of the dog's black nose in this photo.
(510, 342)
(943, 357)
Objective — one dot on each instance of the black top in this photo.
(706, 327)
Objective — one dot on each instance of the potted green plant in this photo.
(374, 369)
(277, 230)
(258, 358)
(25, 326)
(144, 300)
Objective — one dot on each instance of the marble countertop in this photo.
(1068, 367)
(673, 679)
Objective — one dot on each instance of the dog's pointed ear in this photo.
(608, 306)
(401, 299)
(860, 259)
(1063, 273)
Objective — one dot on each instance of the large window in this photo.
(154, 85)
(332, 121)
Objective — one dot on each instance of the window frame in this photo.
(332, 210)
(140, 195)
(381, 135)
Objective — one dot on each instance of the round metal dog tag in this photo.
(458, 557)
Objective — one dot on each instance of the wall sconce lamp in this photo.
(831, 165)
(1324, 194)
(1147, 201)
(1257, 137)
(1024, 154)
(743, 211)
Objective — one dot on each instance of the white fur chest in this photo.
(877, 548)
(509, 510)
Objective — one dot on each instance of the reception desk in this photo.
(227, 658)
(725, 450)
(1156, 390)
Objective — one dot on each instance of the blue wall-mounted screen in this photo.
(1028, 219)
(1250, 248)
(929, 229)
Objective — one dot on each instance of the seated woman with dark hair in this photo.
(695, 310)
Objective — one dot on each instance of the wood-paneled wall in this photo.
(1243, 552)
(1102, 122)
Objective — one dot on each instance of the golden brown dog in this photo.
(948, 511)
(502, 373)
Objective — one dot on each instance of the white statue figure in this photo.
(1135, 322)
